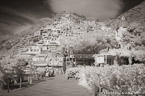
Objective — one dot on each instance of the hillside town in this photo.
(46, 49)
(65, 47)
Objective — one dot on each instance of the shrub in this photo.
(127, 79)
(72, 73)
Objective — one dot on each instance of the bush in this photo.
(72, 73)
(127, 79)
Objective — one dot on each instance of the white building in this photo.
(33, 50)
(37, 33)
(40, 60)
(45, 34)
(45, 48)
(43, 42)
(56, 61)
(40, 57)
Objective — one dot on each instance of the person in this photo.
(51, 73)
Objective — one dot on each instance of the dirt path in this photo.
(57, 86)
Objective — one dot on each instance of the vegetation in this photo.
(114, 80)
(12, 70)
(72, 73)
(94, 38)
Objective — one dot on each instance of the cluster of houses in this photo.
(121, 55)
(47, 49)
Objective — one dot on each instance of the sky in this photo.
(19, 15)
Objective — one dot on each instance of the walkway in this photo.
(57, 86)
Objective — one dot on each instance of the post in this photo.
(8, 85)
(75, 60)
(30, 79)
(130, 60)
(20, 82)
(106, 59)
(64, 64)
(99, 86)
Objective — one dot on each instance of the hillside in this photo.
(91, 37)
(136, 14)
(71, 26)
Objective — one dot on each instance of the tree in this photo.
(135, 34)
(19, 69)
(7, 74)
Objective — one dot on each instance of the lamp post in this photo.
(65, 54)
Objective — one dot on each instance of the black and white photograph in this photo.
(72, 47)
